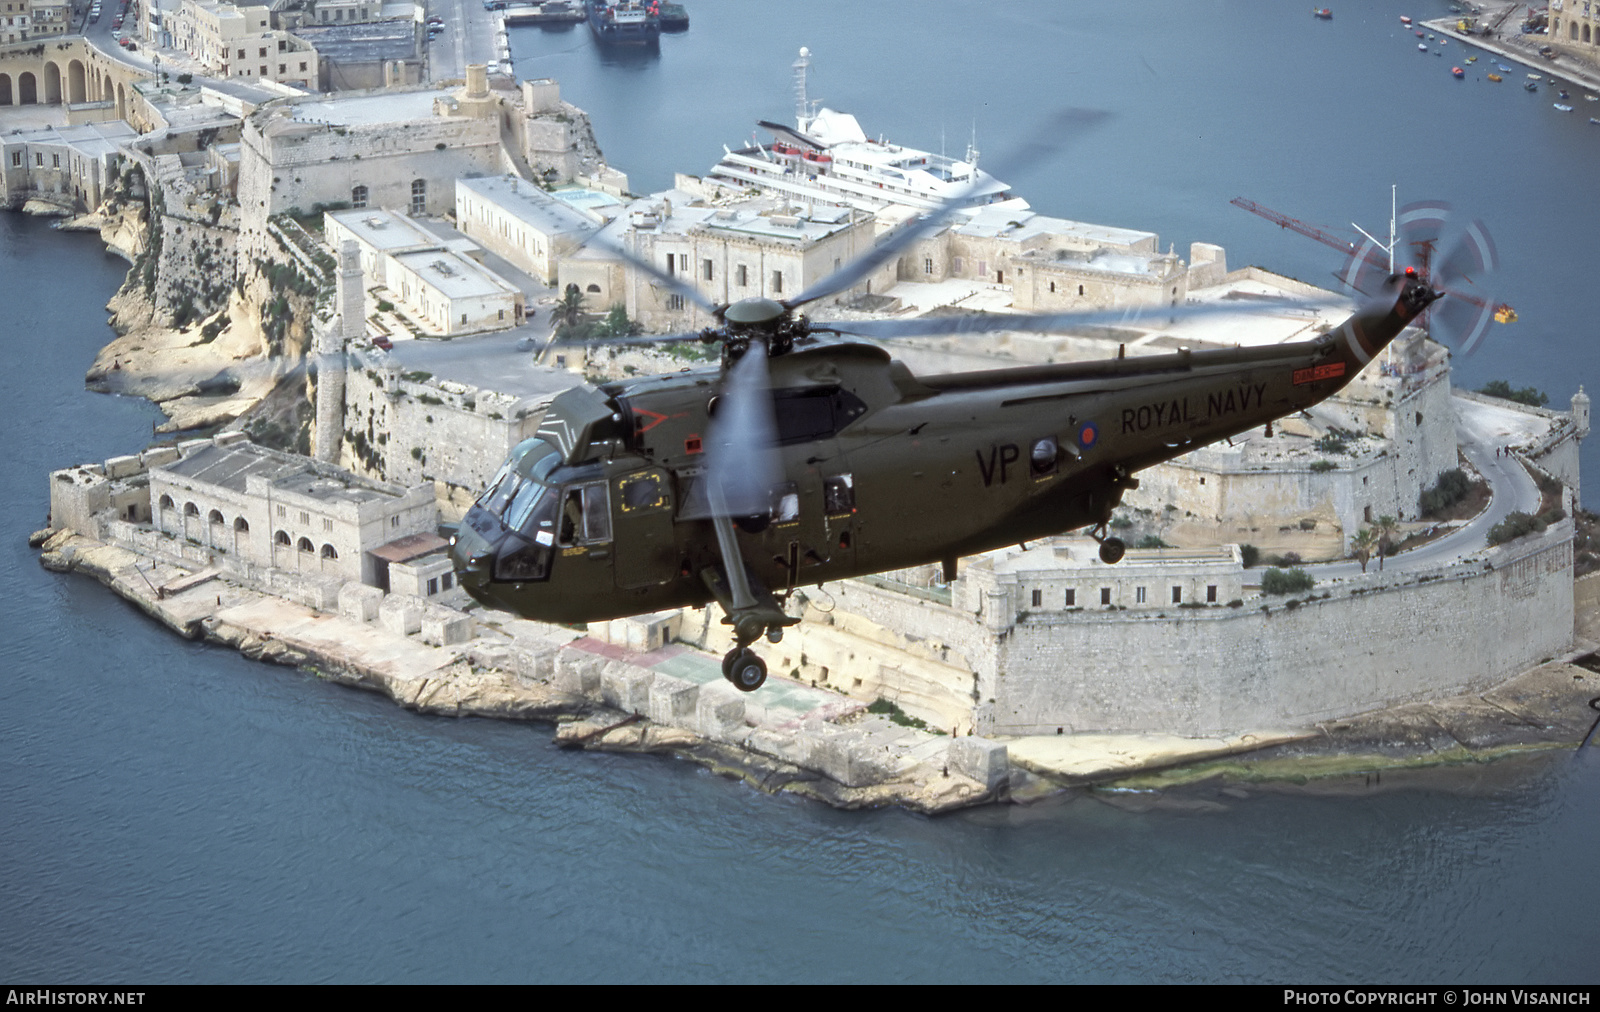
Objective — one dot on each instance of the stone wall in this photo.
(1389, 640)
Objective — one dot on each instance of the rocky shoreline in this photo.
(601, 697)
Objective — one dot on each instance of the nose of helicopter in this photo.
(473, 559)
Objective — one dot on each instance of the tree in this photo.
(566, 316)
(1387, 527)
(1362, 546)
(617, 323)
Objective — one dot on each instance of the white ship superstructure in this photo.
(826, 158)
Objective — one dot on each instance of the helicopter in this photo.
(801, 458)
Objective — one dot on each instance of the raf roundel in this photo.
(1088, 434)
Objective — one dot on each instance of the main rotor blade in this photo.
(633, 339)
(742, 455)
(1149, 317)
(1049, 137)
(678, 285)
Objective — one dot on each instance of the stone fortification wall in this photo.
(1388, 640)
(1556, 452)
(408, 428)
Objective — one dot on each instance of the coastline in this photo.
(604, 697)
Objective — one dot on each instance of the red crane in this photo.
(1345, 246)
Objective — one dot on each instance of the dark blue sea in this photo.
(171, 812)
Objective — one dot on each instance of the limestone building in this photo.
(70, 165)
(1575, 28)
(49, 17)
(16, 20)
(268, 508)
(753, 249)
(513, 218)
(239, 41)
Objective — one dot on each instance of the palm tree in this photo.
(567, 315)
(1362, 545)
(1387, 528)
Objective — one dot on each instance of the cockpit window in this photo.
(585, 515)
(520, 480)
(522, 504)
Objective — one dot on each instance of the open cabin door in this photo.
(646, 552)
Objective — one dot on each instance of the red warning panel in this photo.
(1331, 370)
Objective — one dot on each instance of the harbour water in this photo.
(171, 812)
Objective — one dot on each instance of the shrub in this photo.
(1452, 486)
(1286, 581)
(1250, 555)
(1515, 525)
(1322, 466)
(1527, 395)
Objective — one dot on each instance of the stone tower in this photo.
(1580, 412)
(348, 325)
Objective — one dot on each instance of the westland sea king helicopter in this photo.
(802, 458)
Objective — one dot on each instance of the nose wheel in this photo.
(745, 669)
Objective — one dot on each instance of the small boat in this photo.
(1562, 108)
(1596, 122)
(1472, 59)
(1325, 13)
(1496, 78)
(1503, 68)
(1591, 98)
(1458, 72)
(1564, 95)
(1531, 86)
(1533, 77)
(1422, 47)
(1405, 19)
(1439, 53)
(1419, 33)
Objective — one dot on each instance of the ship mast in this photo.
(804, 107)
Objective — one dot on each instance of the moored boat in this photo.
(1325, 13)
(624, 22)
(1458, 72)
(1561, 108)
(1496, 78)
(1405, 19)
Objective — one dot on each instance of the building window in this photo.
(282, 45)
(38, 159)
(1138, 595)
(283, 68)
(1105, 595)
(419, 196)
(1211, 594)
(305, 545)
(305, 519)
(215, 517)
(447, 581)
(191, 509)
(241, 54)
(1072, 598)
(328, 552)
(741, 276)
(1177, 595)
(394, 521)
(777, 282)
(16, 162)
(263, 53)
(358, 196)
(327, 525)
(281, 511)
(674, 302)
(263, 68)
(166, 502)
(55, 161)
(302, 66)
(927, 265)
(241, 525)
(1052, 286)
(706, 270)
(1038, 598)
(1080, 289)
(281, 538)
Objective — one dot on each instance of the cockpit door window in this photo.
(585, 515)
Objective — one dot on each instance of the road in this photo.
(1479, 430)
(469, 36)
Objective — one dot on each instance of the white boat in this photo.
(1562, 108)
(826, 158)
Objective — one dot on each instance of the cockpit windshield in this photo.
(517, 488)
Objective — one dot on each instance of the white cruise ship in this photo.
(826, 158)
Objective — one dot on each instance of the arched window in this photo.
(215, 516)
(241, 525)
(594, 288)
(281, 538)
(328, 552)
(305, 545)
(166, 501)
(191, 509)
(419, 196)
(358, 197)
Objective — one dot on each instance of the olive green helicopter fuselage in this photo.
(604, 513)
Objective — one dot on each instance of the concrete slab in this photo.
(1089, 757)
(336, 638)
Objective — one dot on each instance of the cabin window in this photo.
(585, 515)
(814, 413)
(646, 490)
(839, 494)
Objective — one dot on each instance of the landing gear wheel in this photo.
(745, 669)
(1112, 550)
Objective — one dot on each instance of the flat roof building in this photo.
(521, 222)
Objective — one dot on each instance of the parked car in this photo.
(379, 341)
(436, 20)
